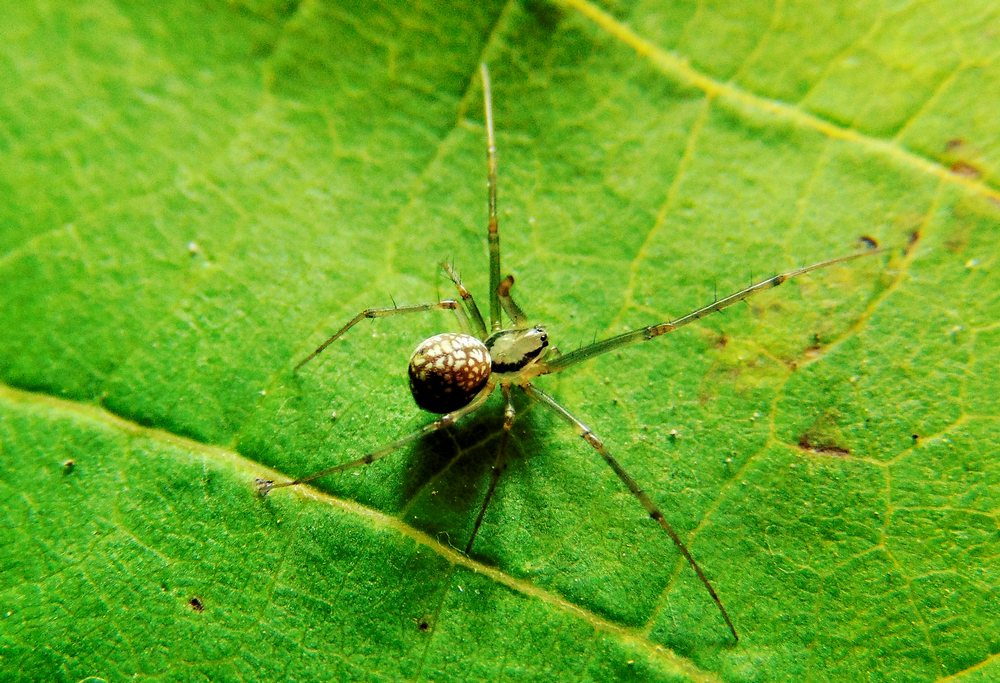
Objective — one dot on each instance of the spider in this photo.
(453, 374)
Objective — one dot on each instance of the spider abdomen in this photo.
(447, 371)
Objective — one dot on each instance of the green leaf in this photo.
(195, 195)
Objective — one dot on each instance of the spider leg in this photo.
(493, 230)
(652, 331)
(470, 304)
(446, 304)
(498, 466)
(654, 512)
(264, 486)
(515, 312)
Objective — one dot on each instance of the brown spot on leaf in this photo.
(965, 169)
(807, 442)
(196, 604)
(69, 466)
(953, 144)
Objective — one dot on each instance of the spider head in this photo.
(513, 350)
(447, 371)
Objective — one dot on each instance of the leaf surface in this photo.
(196, 196)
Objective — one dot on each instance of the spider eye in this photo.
(447, 371)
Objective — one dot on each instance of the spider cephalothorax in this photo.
(453, 374)
(514, 350)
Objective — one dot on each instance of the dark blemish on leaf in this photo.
(915, 437)
(69, 466)
(547, 14)
(812, 350)
(953, 144)
(965, 169)
(196, 604)
(722, 341)
(806, 443)
(869, 241)
(914, 238)
(424, 626)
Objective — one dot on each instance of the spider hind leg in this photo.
(265, 486)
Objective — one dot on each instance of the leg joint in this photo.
(592, 439)
(654, 331)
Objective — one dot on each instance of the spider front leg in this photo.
(264, 486)
(587, 435)
(653, 331)
(493, 227)
(499, 290)
(446, 304)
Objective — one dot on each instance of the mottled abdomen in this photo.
(447, 371)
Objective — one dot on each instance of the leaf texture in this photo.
(195, 195)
